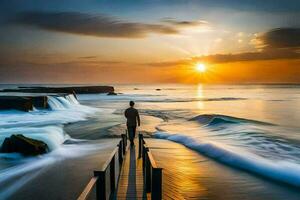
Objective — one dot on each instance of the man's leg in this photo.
(130, 134)
(133, 134)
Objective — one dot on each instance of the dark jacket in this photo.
(132, 116)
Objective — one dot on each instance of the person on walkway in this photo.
(133, 119)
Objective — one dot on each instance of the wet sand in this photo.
(189, 175)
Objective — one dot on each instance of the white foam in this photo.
(279, 170)
(45, 125)
(31, 167)
(53, 136)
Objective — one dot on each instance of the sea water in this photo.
(250, 127)
(253, 128)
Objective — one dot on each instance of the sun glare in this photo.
(200, 67)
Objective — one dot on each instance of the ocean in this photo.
(249, 131)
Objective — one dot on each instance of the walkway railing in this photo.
(152, 173)
(105, 180)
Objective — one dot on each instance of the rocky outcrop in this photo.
(24, 145)
(26, 98)
(15, 102)
(112, 93)
(22, 102)
(69, 90)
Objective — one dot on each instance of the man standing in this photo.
(133, 119)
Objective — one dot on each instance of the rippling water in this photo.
(250, 127)
(253, 128)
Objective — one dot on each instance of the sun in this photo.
(200, 67)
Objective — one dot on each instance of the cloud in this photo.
(97, 25)
(249, 56)
(275, 44)
(228, 58)
(269, 54)
(280, 43)
(279, 38)
(179, 23)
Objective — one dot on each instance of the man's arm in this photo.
(138, 118)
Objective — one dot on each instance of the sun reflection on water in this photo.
(199, 95)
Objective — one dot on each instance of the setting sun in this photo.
(200, 67)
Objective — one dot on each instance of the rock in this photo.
(158, 89)
(112, 93)
(15, 102)
(24, 145)
(40, 101)
(22, 102)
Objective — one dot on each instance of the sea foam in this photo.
(45, 125)
(278, 170)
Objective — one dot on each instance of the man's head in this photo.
(131, 103)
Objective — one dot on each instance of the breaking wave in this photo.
(284, 171)
(215, 119)
(47, 124)
(150, 98)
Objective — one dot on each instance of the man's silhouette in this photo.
(133, 119)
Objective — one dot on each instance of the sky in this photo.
(149, 41)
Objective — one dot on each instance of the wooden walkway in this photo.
(131, 183)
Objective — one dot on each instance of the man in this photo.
(133, 119)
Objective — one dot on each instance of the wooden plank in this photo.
(131, 182)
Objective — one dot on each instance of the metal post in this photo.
(156, 190)
(148, 172)
(140, 144)
(112, 175)
(144, 158)
(120, 152)
(100, 185)
(124, 143)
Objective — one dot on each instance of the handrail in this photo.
(99, 179)
(88, 188)
(151, 159)
(108, 161)
(152, 173)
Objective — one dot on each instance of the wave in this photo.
(278, 170)
(53, 136)
(65, 102)
(216, 119)
(150, 98)
(45, 125)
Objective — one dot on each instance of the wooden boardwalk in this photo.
(131, 183)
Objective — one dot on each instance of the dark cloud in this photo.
(94, 25)
(87, 57)
(227, 58)
(179, 23)
(280, 43)
(279, 38)
(266, 54)
(250, 56)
